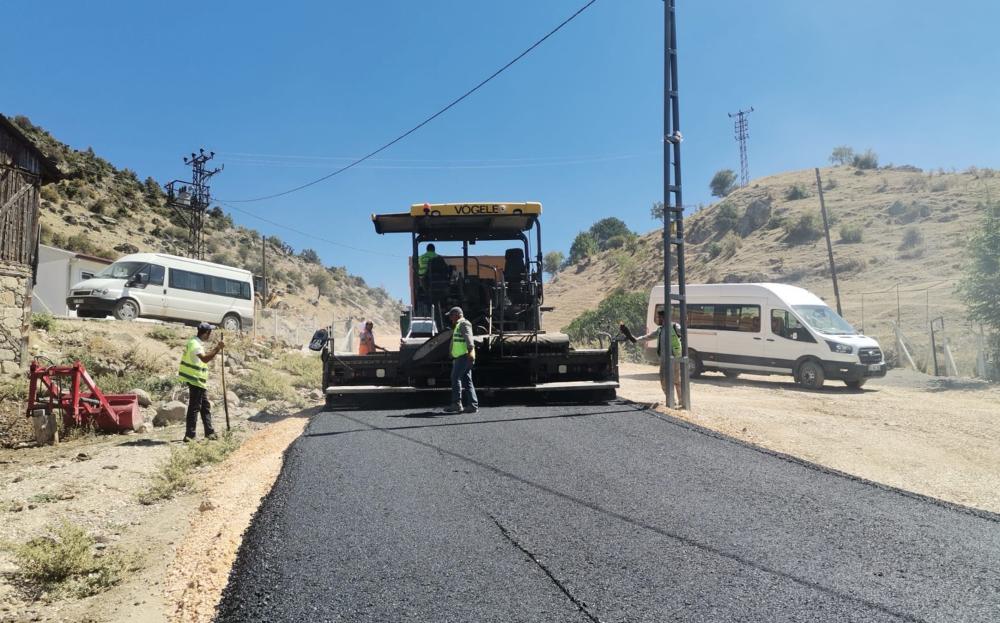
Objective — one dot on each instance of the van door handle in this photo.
(758, 338)
(770, 339)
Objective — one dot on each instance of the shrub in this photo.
(803, 230)
(619, 307)
(553, 261)
(43, 321)
(65, 562)
(796, 191)
(911, 238)
(606, 229)
(940, 185)
(173, 475)
(850, 233)
(842, 155)
(729, 245)
(261, 384)
(583, 247)
(867, 160)
(831, 183)
(726, 217)
(167, 334)
(714, 250)
(305, 370)
(309, 256)
(723, 183)
(616, 242)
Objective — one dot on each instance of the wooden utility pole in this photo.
(829, 244)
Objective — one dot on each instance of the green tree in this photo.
(980, 287)
(723, 182)
(619, 307)
(584, 246)
(656, 211)
(309, 256)
(552, 261)
(842, 155)
(322, 281)
(607, 228)
(867, 160)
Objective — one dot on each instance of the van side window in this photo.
(155, 272)
(745, 318)
(784, 324)
(185, 280)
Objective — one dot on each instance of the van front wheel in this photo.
(232, 322)
(126, 309)
(811, 375)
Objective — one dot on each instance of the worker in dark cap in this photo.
(194, 372)
(463, 357)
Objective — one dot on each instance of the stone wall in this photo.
(15, 316)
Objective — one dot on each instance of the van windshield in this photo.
(823, 319)
(120, 270)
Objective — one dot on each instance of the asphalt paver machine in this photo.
(500, 294)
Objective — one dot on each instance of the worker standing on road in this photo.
(424, 260)
(367, 343)
(194, 372)
(675, 348)
(463, 357)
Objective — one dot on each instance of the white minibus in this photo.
(770, 328)
(156, 285)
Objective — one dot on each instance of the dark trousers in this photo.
(198, 401)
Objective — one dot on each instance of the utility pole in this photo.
(742, 131)
(673, 216)
(190, 199)
(829, 245)
(263, 268)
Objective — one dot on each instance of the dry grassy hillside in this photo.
(894, 226)
(108, 212)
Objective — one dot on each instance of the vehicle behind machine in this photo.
(770, 328)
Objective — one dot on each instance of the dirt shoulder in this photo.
(936, 437)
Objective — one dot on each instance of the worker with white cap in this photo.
(194, 372)
(463, 357)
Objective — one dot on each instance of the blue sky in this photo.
(285, 92)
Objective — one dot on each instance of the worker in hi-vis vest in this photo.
(463, 357)
(194, 372)
(425, 259)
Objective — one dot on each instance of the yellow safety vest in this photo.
(423, 261)
(193, 371)
(459, 346)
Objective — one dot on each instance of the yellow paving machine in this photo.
(500, 294)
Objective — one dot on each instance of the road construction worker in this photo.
(194, 372)
(463, 357)
(675, 348)
(367, 343)
(424, 260)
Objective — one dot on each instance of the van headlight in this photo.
(837, 347)
(99, 291)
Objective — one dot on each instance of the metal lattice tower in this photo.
(742, 127)
(190, 199)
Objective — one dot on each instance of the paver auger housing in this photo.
(501, 295)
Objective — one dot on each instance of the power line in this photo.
(442, 167)
(428, 119)
(306, 234)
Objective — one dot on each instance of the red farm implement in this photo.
(80, 400)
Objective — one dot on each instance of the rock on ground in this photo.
(144, 399)
(170, 413)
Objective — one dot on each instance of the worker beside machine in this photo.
(675, 348)
(463, 358)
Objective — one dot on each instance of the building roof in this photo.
(49, 172)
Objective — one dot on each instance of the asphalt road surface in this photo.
(595, 513)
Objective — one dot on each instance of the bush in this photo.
(911, 238)
(261, 384)
(842, 155)
(306, 370)
(796, 191)
(867, 160)
(619, 307)
(729, 245)
(714, 250)
(606, 229)
(583, 247)
(616, 242)
(850, 233)
(43, 321)
(723, 183)
(803, 230)
(65, 562)
(309, 256)
(726, 217)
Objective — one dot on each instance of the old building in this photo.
(23, 171)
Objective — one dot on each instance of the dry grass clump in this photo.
(174, 475)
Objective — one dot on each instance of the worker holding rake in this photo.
(194, 372)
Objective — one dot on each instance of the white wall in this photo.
(58, 269)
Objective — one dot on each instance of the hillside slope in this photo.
(912, 227)
(108, 212)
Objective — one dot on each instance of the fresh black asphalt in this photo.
(592, 513)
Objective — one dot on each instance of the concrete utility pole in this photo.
(190, 199)
(829, 245)
(673, 217)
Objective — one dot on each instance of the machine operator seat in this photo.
(514, 275)
(438, 279)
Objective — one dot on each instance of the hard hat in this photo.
(205, 327)
(455, 310)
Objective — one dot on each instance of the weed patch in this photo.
(175, 474)
(262, 384)
(306, 371)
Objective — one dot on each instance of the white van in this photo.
(770, 328)
(156, 285)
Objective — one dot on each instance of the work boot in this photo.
(212, 437)
(188, 439)
(471, 410)
(453, 409)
